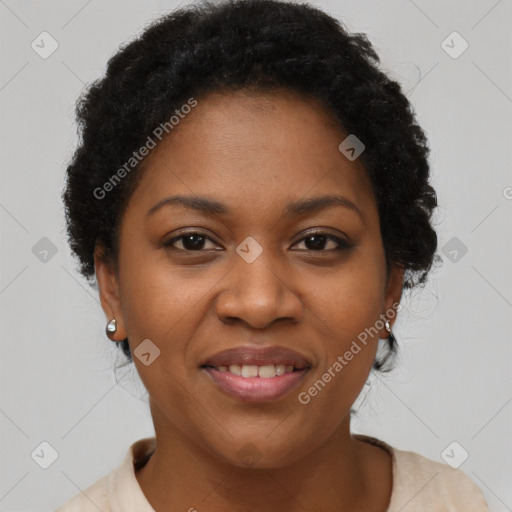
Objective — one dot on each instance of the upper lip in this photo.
(258, 356)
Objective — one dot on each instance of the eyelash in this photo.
(341, 244)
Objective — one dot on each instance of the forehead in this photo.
(257, 150)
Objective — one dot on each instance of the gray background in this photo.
(453, 378)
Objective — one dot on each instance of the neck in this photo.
(340, 475)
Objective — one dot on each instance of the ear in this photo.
(393, 294)
(108, 286)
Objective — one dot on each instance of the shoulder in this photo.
(420, 480)
(420, 483)
(119, 489)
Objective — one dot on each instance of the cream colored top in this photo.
(419, 484)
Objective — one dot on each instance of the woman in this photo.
(252, 195)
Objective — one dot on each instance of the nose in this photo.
(258, 294)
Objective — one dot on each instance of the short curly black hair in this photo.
(242, 44)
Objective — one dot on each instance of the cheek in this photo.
(162, 303)
(346, 307)
(163, 307)
(352, 298)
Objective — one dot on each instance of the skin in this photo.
(255, 153)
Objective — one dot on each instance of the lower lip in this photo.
(256, 389)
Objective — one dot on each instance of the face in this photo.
(252, 273)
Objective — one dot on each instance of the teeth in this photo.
(280, 369)
(267, 371)
(235, 369)
(250, 370)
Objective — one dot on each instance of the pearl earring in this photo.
(111, 329)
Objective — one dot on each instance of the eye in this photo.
(193, 241)
(317, 240)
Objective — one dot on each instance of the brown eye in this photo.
(318, 241)
(194, 241)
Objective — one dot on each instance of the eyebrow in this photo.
(297, 208)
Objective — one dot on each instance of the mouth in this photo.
(257, 375)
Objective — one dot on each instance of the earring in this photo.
(387, 325)
(111, 329)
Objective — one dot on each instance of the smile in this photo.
(256, 374)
